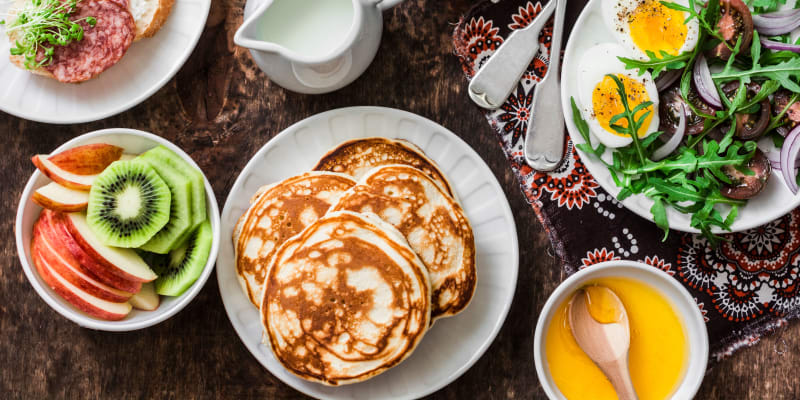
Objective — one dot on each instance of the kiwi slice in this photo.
(128, 204)
(178, 270)
(180, 213)
(163, 155)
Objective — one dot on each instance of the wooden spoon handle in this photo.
(617, 373)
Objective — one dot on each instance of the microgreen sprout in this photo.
(41, 25)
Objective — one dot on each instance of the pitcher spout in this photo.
(247, 35)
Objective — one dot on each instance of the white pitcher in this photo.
(313, 46)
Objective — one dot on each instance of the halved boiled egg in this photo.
(600, 100)
(648, 25)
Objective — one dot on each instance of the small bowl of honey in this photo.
(668, 349)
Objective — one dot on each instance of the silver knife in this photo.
(500, 74)
(544, 141)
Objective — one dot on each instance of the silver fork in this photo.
(544, 141)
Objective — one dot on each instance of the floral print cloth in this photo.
(746, 287)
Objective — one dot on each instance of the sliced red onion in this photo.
(703, 83)
(789, 153)
(782, 130)
(781, 13)
(773, 45)
(777, 23)
(673, 142)
(668, 78)
(773, 156)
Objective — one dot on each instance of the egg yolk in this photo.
(654, 27)
(606, 103)
(658, 350)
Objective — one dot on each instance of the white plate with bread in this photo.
(128, 50)
(432, 338)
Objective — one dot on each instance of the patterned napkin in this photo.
(747, 287)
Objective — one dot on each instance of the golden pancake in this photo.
(432, 222)
(356, 157)
(278, 212)
(345, 300)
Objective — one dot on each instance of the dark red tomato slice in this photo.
(735, 20)
(744, 186)
(670, 102)
(750, 126)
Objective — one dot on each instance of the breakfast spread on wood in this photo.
(356, 247)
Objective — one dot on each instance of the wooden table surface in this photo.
(221, 109)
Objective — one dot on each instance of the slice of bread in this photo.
(19, 61)
(149, 15)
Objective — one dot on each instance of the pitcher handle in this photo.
(387, 4)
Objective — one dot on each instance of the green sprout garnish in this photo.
(40, 26)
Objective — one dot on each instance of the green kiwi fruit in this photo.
(163, 155)
(128, 204)
(180, 213)
(178, 270)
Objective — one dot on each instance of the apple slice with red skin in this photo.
(87, 264)
(82, 300)
(68, 179)
(124, 263)
(89, 159)
(59, 198)
(66, 266)
(147, 299)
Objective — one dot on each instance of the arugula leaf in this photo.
(657, 64)
(782, 72)
(583, 129)
(660, 216)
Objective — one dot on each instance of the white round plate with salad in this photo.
(719, 163)
(104, 58)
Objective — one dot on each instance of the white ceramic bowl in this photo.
(678, 296)
(134, 142)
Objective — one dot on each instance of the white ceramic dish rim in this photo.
(600, 172)
(506, 209)
(123, 325)
(133, 101)
(694, 324)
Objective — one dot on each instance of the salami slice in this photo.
(102, 46)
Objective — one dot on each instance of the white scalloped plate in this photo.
(453, 344)
(147, 66)
(773, 202)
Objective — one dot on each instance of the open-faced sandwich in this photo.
(73, 41)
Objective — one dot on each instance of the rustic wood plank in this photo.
(221, 109)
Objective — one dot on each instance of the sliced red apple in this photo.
(79, 298)
(66, 266)
(147, 299)
(59, 198)
(124, 263)
(90, 266)
(68, 179)
(90, 159)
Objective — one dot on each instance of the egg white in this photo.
(595, 64)
(614, 9)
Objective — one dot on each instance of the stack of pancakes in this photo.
(351, 263)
